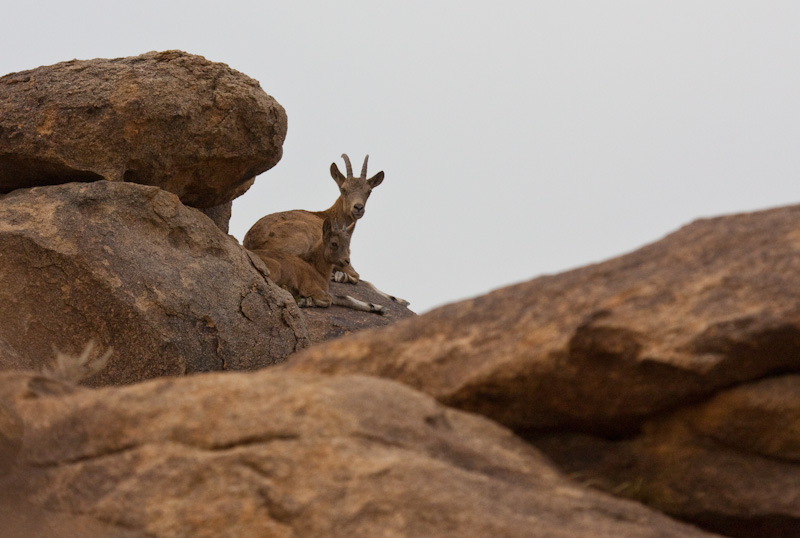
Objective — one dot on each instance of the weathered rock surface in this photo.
(278, 454)
(604, 347)
(666, 375)
(221, 214)
(729, 464)
(170, 119)
(335, 321)
(129, 267)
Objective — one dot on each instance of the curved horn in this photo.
(347, 163)
(364, 168)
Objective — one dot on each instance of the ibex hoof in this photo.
(378, 309)
(401, 302)
(339, 276)
(305, 302)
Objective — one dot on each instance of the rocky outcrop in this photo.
(669, 376)
(604, 347)
(335, 321)
(169, 119)
(129, 267)
(279, 454)
(729, 464)
(664, 375)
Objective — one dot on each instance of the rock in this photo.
(129, 267)
(22, 520)
(220, 215)
(169, 119)
(729, 464)
(272, 453)
(603, 348)
(667, 375)
(10, 438)
(335, 321)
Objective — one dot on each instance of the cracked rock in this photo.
(132, 269)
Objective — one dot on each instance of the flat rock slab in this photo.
(170, 119)
(132, 269)
(287, 455)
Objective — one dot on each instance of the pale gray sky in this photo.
(518, 137)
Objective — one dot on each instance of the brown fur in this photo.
(298, 231)
(308, 275)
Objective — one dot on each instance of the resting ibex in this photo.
(307, 277)
(297, 231)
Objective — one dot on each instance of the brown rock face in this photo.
(286, 455)
(129, 267)
(170, 119)
(729, 464)
(602, 348)
(668, 375)
(335, 321)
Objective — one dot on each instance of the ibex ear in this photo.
(337, 175)
(326, 228)
(375, 180)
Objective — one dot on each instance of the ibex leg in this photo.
(370, 285)
(351, 302)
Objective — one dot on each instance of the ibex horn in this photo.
(364, 168)
(347, 163)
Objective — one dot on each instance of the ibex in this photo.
(307, 277)
(298, 231)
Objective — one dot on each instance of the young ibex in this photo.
(307, 277)
(298, 231)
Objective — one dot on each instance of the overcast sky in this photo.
(518, 137)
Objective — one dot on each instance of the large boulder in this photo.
(170, 119)
(287, 455)
(602, 348)
(668, 375)
(130, 268)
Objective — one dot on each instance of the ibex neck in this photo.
(340, 213)
(316, 258)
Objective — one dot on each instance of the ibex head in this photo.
(336, 242)
(355, 190)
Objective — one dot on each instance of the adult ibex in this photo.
(298, 231)
(307, 277)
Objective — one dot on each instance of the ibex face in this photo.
(336, 242)
(355, 190)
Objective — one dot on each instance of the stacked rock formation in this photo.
(99, 243)
(653, 395)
